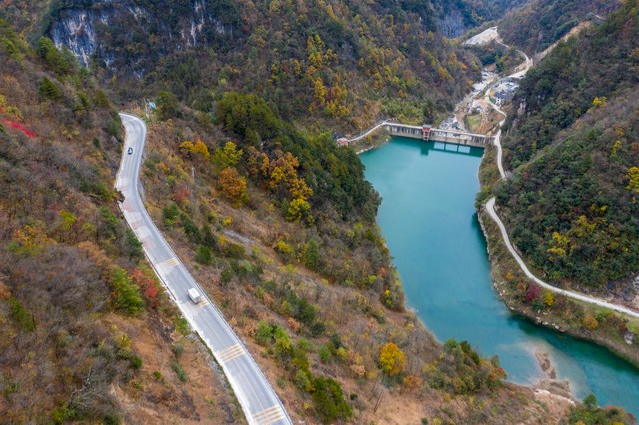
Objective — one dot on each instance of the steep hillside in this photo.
(311, 289)
(344, 62)
(573, 143)
(539, 23)
(281, 233)
(86, 332)
(274, 220)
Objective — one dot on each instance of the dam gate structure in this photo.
(428, 133)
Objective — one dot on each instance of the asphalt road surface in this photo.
(256, 396)
(490, 208)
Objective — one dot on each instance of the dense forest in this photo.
(281, 226)
(572, 142)
(347, 63)
(538, 24)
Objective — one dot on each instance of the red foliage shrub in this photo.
(16, 125)
(533, 292)
(147, 286)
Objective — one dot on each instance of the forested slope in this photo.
(85, 326)
(343, 62)
(274, 220)
(572, 142)
(537, 24)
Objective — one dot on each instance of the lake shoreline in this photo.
(630, 354)
(501, 263)
(422, 266)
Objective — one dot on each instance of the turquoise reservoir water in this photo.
(428, 219)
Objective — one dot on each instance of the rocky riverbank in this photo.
(568, 316)
(607, 329)
(556, 394)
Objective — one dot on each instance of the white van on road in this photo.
(195, 296)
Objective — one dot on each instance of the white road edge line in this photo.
(236, 389)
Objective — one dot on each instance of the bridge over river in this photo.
(425, 133)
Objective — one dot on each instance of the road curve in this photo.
(490, 208)
(497, 138)
(369, 131)
(500, 151)
(258, 400)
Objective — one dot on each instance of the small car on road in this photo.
(130, 151)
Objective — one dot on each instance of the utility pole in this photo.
(193, 185)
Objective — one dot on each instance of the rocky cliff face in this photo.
(452, 25)
(77, 32)
(107, 27)
(86, 30)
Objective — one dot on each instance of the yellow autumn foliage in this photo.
(392, 359)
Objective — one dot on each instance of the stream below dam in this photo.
(429, 222)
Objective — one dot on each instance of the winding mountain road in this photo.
(257, 398)
(490, 208)
(497, 138)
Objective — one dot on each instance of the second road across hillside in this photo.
(490, 208)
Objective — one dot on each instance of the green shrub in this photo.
(233, 250)
(182, 326)
(136, 362)
(178, 350)
(203, 255)
(324, 353)
(227, 275)
(190, 229)
(264, 332)
(180, 372)
(21, 315)
(10, 41)
(113, 129)
(167, 105)
(125, 293)
(302, 381)
(10, 48)
(111, 419)
(49, 89)
(133, 245)
(54, 59)
(170, 213)
(101, 99)
(63, 414)
(304, 344)
(329, 401)
(109, 220)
